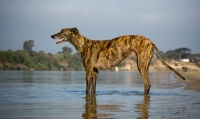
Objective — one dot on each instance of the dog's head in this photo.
(65, 34)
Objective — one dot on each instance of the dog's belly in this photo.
(111, 57)
(107, 64)
(108, 61)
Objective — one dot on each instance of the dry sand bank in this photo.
(193, 77)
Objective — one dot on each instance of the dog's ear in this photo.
(75, 30)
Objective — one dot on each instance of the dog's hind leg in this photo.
(144, 73)
(143, 62)
(147, 84)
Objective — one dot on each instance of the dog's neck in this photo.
(78, 41)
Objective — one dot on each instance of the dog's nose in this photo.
(52, 36)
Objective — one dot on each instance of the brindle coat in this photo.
(104, 54)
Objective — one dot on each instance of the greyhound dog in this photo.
(104, 54)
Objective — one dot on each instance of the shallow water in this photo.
(61, 94)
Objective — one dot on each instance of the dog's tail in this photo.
(163, 62)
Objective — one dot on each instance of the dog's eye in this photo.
(62, 30)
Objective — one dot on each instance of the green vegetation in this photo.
(21, 60)
(30, 60)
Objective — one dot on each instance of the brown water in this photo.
(61, 94)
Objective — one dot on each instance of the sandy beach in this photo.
(193, 77)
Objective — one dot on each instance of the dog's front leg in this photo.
(94, 79)
(88, 82)
(89, 78)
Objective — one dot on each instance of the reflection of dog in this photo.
(142, 108)
(90, 107)
(104, 54)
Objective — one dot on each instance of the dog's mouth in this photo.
(60, 40)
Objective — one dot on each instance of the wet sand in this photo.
(193, 77)
(61, 95)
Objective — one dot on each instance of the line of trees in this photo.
(177, 54)
(27, 46)
(181, 53)
(28, 59)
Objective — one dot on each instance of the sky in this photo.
(170, 24)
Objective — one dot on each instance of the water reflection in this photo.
(90, 107)
(27, 76)
(94, 110)
(142, 108)
(103, 110)
(53, 94)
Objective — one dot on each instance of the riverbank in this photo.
(193, 77)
